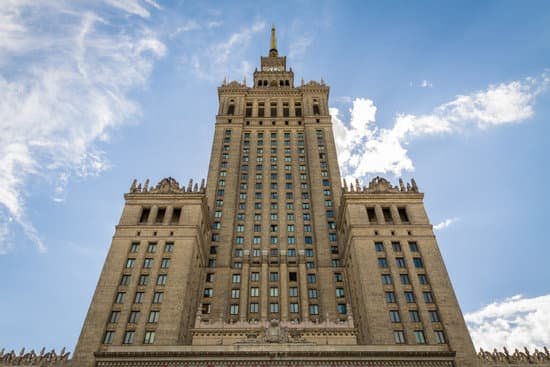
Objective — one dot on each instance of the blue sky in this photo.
(94, 94)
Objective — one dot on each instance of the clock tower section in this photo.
(273, 71)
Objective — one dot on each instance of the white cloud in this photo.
(426, 84)
(61, 94)
(135, 7)
(446, 223)
(364, 148)
(516, 322)
(226, 57)
(298, 46)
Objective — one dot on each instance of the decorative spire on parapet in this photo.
(50, 358)
(167, 185)
(523, 357)
(380, 184)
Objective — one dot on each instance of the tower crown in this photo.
(273, 44)
(273, 71)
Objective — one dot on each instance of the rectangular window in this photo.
(153, 317)
(342, 309)
(152, 247)
(314, 309)
(274, 292)
(386, 279)
(340, 292)
(138, 298)
(409, 297)
(273, 277)
(293, 308)
(404, 279)
(293, 292)
(382, 262)
(254, 307)
(379, 246)
(428, 297)
(234, 309)
(236, 278)
(125, 280)
(414, 316)
(440, 337)
(108, 338)
(434, 316)
(165, 263)
(387, 215)
(396, 246)
(311, 278)
(134, 247)
(254, 292)
(176, 214)
(403, 215)
(390, 297)
(338, 277)
(144, 215)
(400, 262)
(413, 246)
(419, 337)
(158, 297)
(235, 293)
(399, 336)
(422, 279)
(208, 292)
(128, 337)
(254, 276)
(147, 263)
(169, 247)
(161, 280)
(394, 316)
(160, 215)
(418, 262)
(130, 263)
(149, 337)
(312, 293)
(115, 315)
(371, 213)
(143, 279)
(273, 307)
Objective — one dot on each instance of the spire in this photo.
(273, 45)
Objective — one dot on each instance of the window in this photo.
(125, 280)
(291, 240)
(409, 297)
(152, 247)
(236, 278)
(399, 336)
(290, 228)
(158, 297)
(235, 293)
(119, 297)
(418, 262)
(314, 309)
(340, 292)
(115, 315)
(161, 280)
(413, 246)
(386, 212)
(434, 316)
(153, 317)
(390, 297)
(371, 213)
(273, 277)
(234, 309)
(311, 278)
(310, 264)
(293, 308)
(211, 263)
(254, 276)
(394, 316)
(342, 309)
(130, 263)
(134, 247)
(291, 252)
(312, 293)
(160, 215)
(165, 263)
(149, 337)
(439, 337)
(205, 309)
(309, 252)
(254, 307)
(422, 279)
(143, 279)
(254, 292)
(231, 109)
(403, 215)
(147, 263)
(396, 246)
(400, 262)
(144, 215)
(138, 298)
(386, 279)
(338, 277)
(128, 337)
(404, 279)
(108, 338)
(316, 110)
(293, 291)
(240, 227)
(419, 337)
(239, 240)
(274, 292)
(379, 246)
(169, 247)
(414, 316)
(208, 292)
(273, 307)
(382, 262)
(428, 297)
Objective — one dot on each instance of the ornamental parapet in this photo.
(167, 185)
(24, 358)
(380, 185)
(517, 358)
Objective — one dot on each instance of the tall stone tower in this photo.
(274, 260)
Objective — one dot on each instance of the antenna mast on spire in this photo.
(273, 44)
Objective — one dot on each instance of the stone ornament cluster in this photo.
(381, 185)
(167, 185)
(24, 358)
(504, 357)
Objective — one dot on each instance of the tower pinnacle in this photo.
(273, 45)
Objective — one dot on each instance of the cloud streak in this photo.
(364, 148)
(446, 223)
(515, 322)
(64, 88)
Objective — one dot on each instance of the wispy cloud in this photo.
(364, 148)
(299, 46)
(515, 322)
(63, 88)
(446, 223)
(426, 84)
(226, 57)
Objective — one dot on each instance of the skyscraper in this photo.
(274, 260)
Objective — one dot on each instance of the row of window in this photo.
(151, 247)
(139, 297)
(143, 279)
(387, 215)
(160, 217)
(129, 337)
(147, 263)
(419, 336)
(273, 292)
(133, 317)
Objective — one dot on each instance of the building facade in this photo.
(274, 261)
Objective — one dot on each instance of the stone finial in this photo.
(302, 82)
(196, 187)
(146, 185)
(190, 185)
(351, 189)
(357, 185)
(345, 185)
(133, 186)
(244, 80)
(401, 185)
(203, 186)
(414, 187)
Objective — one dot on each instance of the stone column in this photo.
(283, 294)
(379, 214)
(303, 287)
(244, 288)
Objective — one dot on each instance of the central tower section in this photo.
(273, 187)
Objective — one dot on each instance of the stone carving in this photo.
(32, 359)
(381, 185)
(167, 185)
(504, 357)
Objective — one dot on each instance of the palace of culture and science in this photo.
(275, 261)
